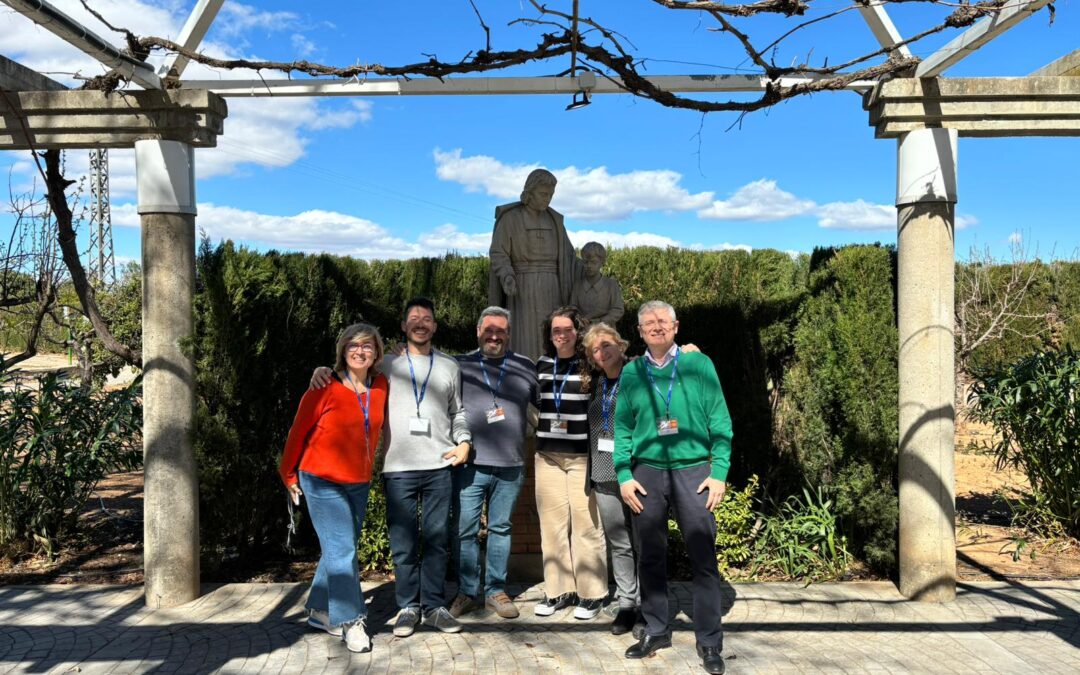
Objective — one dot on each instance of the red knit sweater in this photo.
(327, 436)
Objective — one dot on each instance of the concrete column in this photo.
(166, 187)
(926, 203)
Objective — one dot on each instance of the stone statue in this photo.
(533, 266)
(598, 297)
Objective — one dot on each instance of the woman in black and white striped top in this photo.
(571, 536)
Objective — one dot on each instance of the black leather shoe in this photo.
(711, 659)
(624, 621)
(647, 645)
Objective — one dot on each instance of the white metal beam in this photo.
(465, 86)
(71, 31)
(987, 29)
(882, 27)
(191, 36)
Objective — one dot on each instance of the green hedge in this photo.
(806, 350)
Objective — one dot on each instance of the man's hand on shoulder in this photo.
(320, 378)
(716, 490)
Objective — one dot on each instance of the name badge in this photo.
(605, 444)
(667, 427)
(418, 425)
(560, 427)
(495, 415)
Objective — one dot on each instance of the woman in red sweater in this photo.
(328, 457)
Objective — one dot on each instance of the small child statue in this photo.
(598, 297)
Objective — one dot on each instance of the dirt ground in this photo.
(109, 550)
(986, 544)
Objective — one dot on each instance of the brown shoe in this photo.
(503, 605)
(462, 604)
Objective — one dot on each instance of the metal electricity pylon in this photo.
(102, 261)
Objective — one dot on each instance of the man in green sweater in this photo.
(672, 451)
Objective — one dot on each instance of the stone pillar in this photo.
(926, 203)
(166, 188)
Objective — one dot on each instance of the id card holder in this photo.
(667, 427)
(495, 414)
(605, 445)
(419, 425)
(560, 427)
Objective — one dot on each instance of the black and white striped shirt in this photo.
(573, 408)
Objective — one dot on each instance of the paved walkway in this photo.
(258, 628)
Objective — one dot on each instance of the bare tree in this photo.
(30, 273)
(595, 44)
(992, 302)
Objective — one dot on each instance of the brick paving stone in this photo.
(770, 628)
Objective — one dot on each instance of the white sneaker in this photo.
(356, 637)
(321, 620)
(588, 609)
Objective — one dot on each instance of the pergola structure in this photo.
(925, 112)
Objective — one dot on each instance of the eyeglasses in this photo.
(365, 347)
(560, 332)
(602, 346)
(664, 325)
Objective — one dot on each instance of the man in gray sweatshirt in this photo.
(425, 434)
(497, 387)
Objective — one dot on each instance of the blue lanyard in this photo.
(363, 406)
(558, 390)
(502, 372)
(606, 404)
(419, 395)
(671, 384)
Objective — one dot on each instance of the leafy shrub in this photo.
(801, 541)
(735, 520)
(56, 443)
(838, 413)
(374, 547)
(1034, 406)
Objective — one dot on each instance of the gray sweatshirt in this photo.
(408, 450)
(498, 444)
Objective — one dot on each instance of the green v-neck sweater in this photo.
(697, 403)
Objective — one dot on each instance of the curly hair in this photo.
(580, 325)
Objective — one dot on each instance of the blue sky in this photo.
(406, 176)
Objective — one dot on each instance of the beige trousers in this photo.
(571, 536)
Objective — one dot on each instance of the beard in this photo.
(493, 351)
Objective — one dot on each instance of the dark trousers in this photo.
(677, 490)
(418, 517)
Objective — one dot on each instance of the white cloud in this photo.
(759, 201)
(310, 231)
(731, 247)
(236, 18)
(257, 131)
(862, 215)
(963, 220)
(1016, 238)
(619, 240)
(321, 231)
(449, 238)
(303, 46)
(584, 194)
(857, 215)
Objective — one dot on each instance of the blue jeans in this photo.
(337, 511)
(419, 498)
(499, 487)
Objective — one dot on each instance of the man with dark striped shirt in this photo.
(497, 387)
